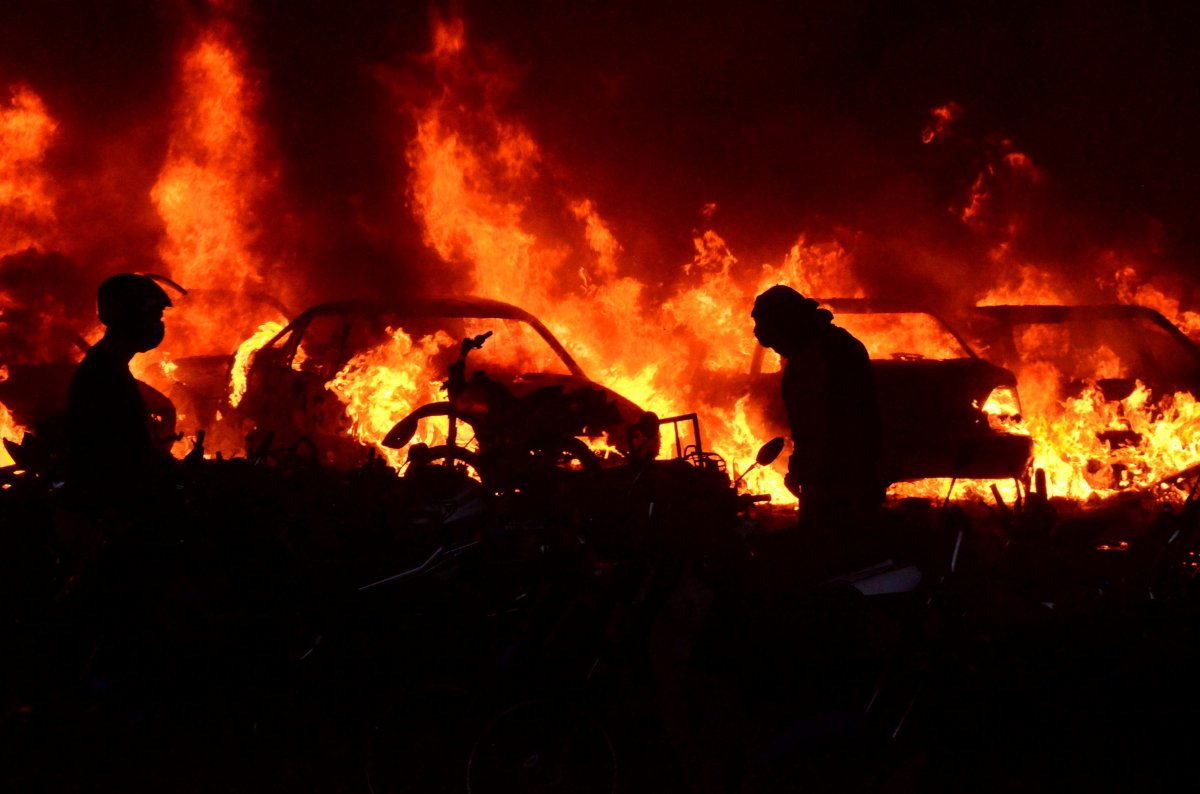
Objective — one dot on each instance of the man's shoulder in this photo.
(98, 370)
(845, 340)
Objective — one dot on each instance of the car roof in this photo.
(890, 306)
(437, 306)
(1021, 314)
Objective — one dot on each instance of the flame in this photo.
(241, 359)
(26, 201)
(202, 192)
(9, 431)
(213, 186)
(9, 428)
(479, 187)
(939, 124)
(381, 386)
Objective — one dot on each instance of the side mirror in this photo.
(770, 451)
(402, 433)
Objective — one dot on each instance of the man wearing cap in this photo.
(112, 457)
(833, 411)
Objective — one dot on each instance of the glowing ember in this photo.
(939, 124)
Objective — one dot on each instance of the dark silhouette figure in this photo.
(112, 456)
(833, 411)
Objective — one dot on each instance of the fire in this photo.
(207, 190)
(210, 193)
(241, 359)
(939, 124)
(10, 430)
(477, 176)
(26, 131)
(1092, 447)
(381, 386)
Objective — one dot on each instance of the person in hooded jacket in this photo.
(833, 411)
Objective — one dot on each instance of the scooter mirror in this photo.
(769, 451)
(402, 433)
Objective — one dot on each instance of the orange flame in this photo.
(210, 188)
(9, 428)
(379, 387)
(241, 359)
(26, 202)
(939, 124)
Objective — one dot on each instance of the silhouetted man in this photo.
(113, 459)
(833, 411)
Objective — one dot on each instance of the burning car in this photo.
(945, 412)
(1114, 345)
(341, 376)
(1111, 390)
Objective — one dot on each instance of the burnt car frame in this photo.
(287, 395)
(953, 415)
(1113, 345)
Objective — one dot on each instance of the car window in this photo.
(514, 348)
(320, 350)
(902, 334)
(1104, 348)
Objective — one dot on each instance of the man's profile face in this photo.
(766, 332)
(148, 333)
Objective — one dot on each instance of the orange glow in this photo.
(209, 191)
(213, 187)
(9, 429)
(241, 359)
(379, 387)
(940, 121)
(26, 202)
(479, 187)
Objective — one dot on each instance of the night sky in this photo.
(791, 117)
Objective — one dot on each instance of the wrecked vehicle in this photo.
(1110, 390)
(1114, 345)
(945, 412)
(341, 375)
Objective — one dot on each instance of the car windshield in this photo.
(514, 347)
(1124, 347)
(902, 335)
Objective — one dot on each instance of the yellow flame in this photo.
(241, 359)
(9, 430)
(381, 386)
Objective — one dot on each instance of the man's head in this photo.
(783, 318)
(131, 308)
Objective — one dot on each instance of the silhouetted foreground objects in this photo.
(115, 460)
(294, 627)
(833, 411)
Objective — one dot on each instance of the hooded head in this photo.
(131, 307)
(783, 318)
